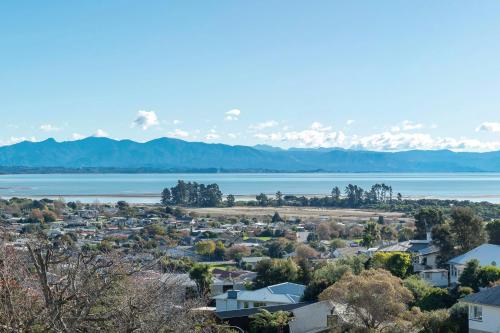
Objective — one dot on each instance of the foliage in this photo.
(376, 297)
(274, 271)
(202, 276)
(493, 229)
(398, 263)
(205, 248)
(267, 322)
(193, 194)
(279, 247)
(425, 219)
(371, 234)
(467, 228)
(475, 276)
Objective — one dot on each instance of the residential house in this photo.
(486, 254)
(425, 253)
(484, 311)
(251, 262)
(278, 294)
(435, 277)
(224, 280)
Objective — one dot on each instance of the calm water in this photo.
(146, 187)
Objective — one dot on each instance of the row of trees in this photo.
(192, 194)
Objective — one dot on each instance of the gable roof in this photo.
(486, 254)
(251, 311)
(285, 293)
(489, 296)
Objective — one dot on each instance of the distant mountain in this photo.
(169, 155)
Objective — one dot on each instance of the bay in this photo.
(146, 188)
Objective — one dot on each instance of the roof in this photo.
(285, 293)
(421, 247)
(486, 254)
(252, 311)
(253, 259)
(489, 296)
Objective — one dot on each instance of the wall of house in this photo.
(436, 279)
(455, 272)
(490, 322)
(310, 318)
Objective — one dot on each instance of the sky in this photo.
(375, 75)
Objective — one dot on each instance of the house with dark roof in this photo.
(484, 310)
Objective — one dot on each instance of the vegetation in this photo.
(267, 322)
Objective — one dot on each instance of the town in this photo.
(273, 264)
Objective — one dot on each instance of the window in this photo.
(245, 305)
(476, 312)
(258, 304)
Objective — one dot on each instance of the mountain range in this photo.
(95, 154)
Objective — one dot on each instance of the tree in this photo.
(54, 287)
(425, 219)
(398, 263)
(279, 199)
(267, 322)
(276, 218)
(220, 250)
(323, 231)
(470, 275)
(493, 229)
(238, 251)
(323, 278)
(262, 200)
(304, 252)
(371, 234)
(375, 297)
(467, 228)
(275, 271)
(166, 197)
(443, 239)
(336, 194)
(230, 200)
(205, 248)
(202, 276)
(279, 247)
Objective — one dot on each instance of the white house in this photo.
(484, 311)
(311, 318)
(278, 294)
(435, 277)
(486, 254)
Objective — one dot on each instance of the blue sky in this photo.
(378, 75)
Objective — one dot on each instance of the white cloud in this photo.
(145, 119)
(49, 128)
(77, 136)
(13, 140)
(178, 133)
(100, 134)
(263, 125)
(176, 121)
(318, 135)
(212, 135)
(489, 126)
(408, 125)
(232, 135)
(349, 122)
(232, 114)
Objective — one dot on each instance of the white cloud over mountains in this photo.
(319, 135)
(145, 119)
(488, 127)
(101, 134)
